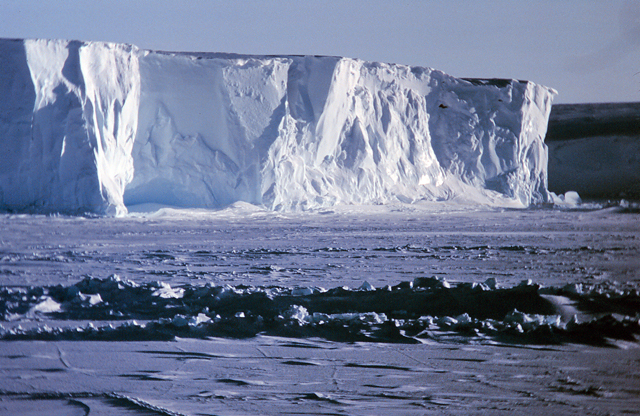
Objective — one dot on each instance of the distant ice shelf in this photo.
(94, 127)
(595, 150)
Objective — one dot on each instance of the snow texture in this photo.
(92, 127)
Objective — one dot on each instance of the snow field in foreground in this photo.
(387, 273)
(274, 376)
(243, 263)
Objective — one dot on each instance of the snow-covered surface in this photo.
(94, 127)
(394, 308)
(404, 309)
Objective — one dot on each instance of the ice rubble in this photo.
(427, 308)
(89, 126)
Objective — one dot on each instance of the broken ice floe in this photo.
(426, 308)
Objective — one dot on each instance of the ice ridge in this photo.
(427, 308)
(94, 127)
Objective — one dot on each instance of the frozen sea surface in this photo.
(340, 247)
(408, 309)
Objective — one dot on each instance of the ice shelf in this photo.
(94, 127)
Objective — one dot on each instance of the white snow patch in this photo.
(298, 313)
(91, 299)
(165, 291)
(46, 306)
(367, 287)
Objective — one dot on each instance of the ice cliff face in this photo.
(68, 117)
(95, 126)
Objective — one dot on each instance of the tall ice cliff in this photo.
(93, 127)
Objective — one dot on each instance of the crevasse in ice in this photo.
(93, 127)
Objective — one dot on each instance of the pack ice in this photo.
(93, 127)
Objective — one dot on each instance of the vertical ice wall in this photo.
(304, 132)
(595, 150)
(204, 125)
(490, 134)
(94, 126)
(67, 123)
(361, 138)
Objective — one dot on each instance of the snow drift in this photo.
(92, 127)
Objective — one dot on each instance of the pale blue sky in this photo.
(589, 50)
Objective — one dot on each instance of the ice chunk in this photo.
(167, 292)
(491, 283)
(301, 291)
(464, 319)
(572, 198)
(298, 313)
(90, 299)
(569, 199)
(431, 282)
(446, 322)
(193, 321)
(48, 305)
(367, 287)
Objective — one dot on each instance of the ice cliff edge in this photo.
(93, 127)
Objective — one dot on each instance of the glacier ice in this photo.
(94, 127)
(67, 123)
